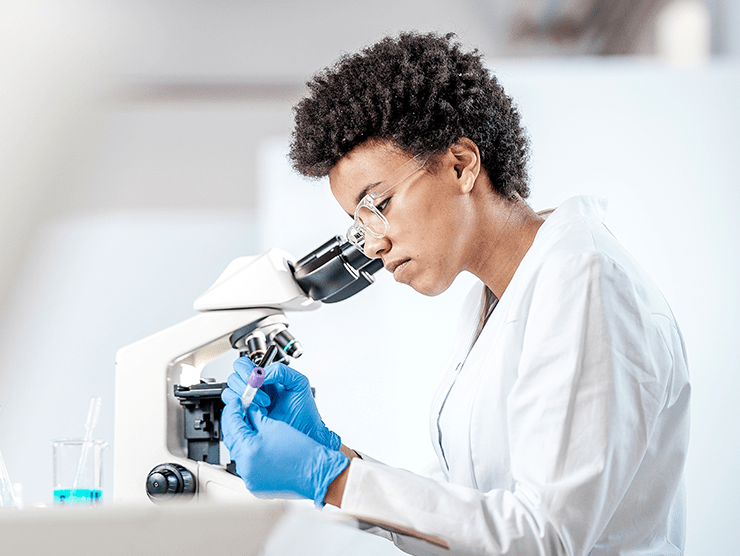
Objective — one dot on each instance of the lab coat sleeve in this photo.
(590, 385)
(390, 531)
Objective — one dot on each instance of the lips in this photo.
(396, 267)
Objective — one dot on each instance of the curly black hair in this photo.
(423, 93)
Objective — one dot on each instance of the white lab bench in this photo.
(252, 528)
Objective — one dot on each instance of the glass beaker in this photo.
(78, 471)
(7, 495)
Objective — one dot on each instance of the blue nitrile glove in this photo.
(272, 457)
(286, 396)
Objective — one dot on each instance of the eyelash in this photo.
(383, 205)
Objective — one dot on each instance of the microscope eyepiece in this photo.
(335, 271)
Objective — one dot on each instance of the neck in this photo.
(505, 233)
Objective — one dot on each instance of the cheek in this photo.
(428, 225)
(441, 239)
(432, 232)
(430, 237)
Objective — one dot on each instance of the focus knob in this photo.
(169, 481)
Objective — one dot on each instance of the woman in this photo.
(561, 426)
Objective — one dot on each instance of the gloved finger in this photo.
(235, 429)
(229, 395)
(290, 379)
(243, 367)
(255, 417)
(261, 399)
(232, 418)
(272, 390)
(236, 383)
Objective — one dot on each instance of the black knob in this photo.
(169, 481)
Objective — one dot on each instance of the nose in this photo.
(375, 247)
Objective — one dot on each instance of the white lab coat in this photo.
(565, 429)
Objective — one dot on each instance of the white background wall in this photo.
(120, 205)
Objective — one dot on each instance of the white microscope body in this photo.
(151, 453)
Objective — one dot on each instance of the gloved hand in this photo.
(286, 396)
(272, 457)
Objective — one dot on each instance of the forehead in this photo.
(361, 170)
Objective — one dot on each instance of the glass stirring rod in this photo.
(92, 419)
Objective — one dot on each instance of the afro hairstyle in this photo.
(421, 92)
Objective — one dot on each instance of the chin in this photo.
(430, 290)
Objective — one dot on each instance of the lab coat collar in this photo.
(588, 207)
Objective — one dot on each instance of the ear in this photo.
(466, 161)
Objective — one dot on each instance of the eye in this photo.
(383, 205)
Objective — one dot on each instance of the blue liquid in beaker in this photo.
(77, 497)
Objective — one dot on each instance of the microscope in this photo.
(167, 418)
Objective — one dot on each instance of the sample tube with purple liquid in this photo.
(257, 377)
(253, 384)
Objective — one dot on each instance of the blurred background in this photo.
(142, 148)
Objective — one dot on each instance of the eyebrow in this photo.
(368, 187)
(361, 195)
(364, 191)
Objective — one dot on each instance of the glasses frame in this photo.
(356, 232)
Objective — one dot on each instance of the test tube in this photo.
(257, 376)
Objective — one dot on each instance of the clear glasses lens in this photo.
(370, 220)
(356, 237)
